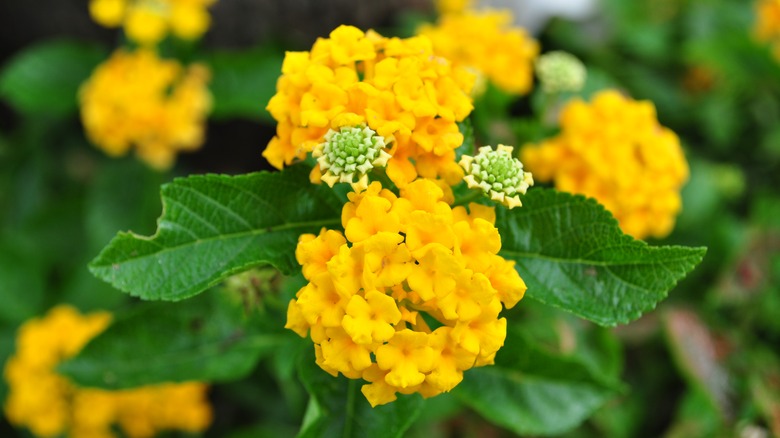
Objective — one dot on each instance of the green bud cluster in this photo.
(560, 71)
(498, 174)
(350, 152)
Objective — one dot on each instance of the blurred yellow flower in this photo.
(767, 26)
(396, 87)
(453, 6)
(406, 262)
(49, 405)
(486, 42)
(615, 150)
(137, 99)
(147, 22)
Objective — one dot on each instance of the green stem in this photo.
(472, 196)
(350, 414)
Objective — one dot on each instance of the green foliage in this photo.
(572, 255)
(338, 409)
(203, 339)
(213, 226)
(535, 392)
(21, 274)
(242, 82)
(46, 78)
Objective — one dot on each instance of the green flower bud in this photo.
(348, 153)
(498, 174)
(560, 71)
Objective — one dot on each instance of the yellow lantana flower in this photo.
(49, 405)
(147, 22)
(485, 42)
(614, 150)
(396, 88)
(406, 262)
(156, 105)
(767, 26)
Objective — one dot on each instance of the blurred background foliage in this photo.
(706, 363)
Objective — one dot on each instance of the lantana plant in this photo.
(407, 258)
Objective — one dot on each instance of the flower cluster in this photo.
(767, 27)
(615, 150)
(137, 99)
(147, 22)
(498, 174)
(409, 296)
(49, 405)
(396, 87)
(487, 43)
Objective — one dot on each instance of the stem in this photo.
(351, 390)
(472, 196)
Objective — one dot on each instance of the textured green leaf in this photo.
(534, 392)
(46, 77)
(214, 226)
(205, 339)
(338, 409)
(242, 83)
(572, 255)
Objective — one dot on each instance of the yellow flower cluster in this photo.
(49, 405)
(147, 22)
(136, 98)
(767, 27)
(396, 87)
(487, 43)
(409, 296)
(615, 150)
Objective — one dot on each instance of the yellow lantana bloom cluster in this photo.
(50, 406)
(396, 87)
(485, 42)
(767, 27)
(147, 22)
(615, 150)
(137, 99)
(409, 296)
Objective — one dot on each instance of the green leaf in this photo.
(7, 337)
(572, 255)
(204, 339)
(534, 392)
(338, 409)
(214, 226)
(22, 284)
(46, 77)
(242, 83)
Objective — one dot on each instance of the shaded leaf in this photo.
(572, 255)
(242, 83)
(533, 392)
(22, 284)
(337, 408)
(214, 226)
(205, 339)
(46, 77)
